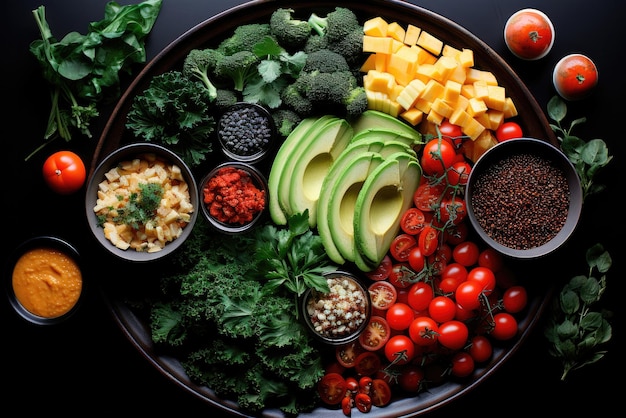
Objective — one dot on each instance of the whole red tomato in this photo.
(64, 172)
(575, 76)
(529, 34)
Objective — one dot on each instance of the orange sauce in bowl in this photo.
(47, 282)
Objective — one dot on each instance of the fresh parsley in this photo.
(575, 331)
(141, 207)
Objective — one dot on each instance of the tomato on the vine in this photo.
(452, 210)
(332, 388)
(420, 295)
(400, 349)
(451, 132)
(376, 334)
(413, 221)
(468, 294)
(455, 234)
(508, 130)
(575, 76)
(382, 294)
(401, 246)
(453, 334)
(462, 364)
(466, 253)
(411, 378)
(64, 172)
(428, 240)
(401, 275)
(417, 261)
(399, 316)
(505, 326)
(459, 173)
(437, 157)
(382, 271)
(529, 34)
(424, 331)
(442, 309)
(484, 276)
(480, 349)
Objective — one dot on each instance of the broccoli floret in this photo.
(244, 38)
(285, 120)
(199, 63)
(325, 61)
(355, 101)
(289, 32)
(293, 98)
(336, 24)
(350, 47)
(240, 67)
(314, 43)
(224, 99)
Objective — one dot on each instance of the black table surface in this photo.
(88, 365)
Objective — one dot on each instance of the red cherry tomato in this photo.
(380, 392)
(376, 334)
(491, 259)
(424, 331)
(467, 294)
(437, 156)
(401, 246)
(453, 334)
(428, 240)
(363, 402)
(382, 294)
(420, 295)
(400, 349)
(64, 172)
(332, 388)
(466, 253)
(462, 364)
(442, 309)
(346, 354)
(484, 276)
(382, 271)
(411, 378)
(529, 34)
(480, 348)
(427, 196)
(505, 326)
(367, 363)
(508, 130)
(515, 299)
(413, 221)
(401, 276)
(451, 132)
(417, 259)
(459, 173)
(452, 211)
(575, 76)
(346, 405)
(399, 316)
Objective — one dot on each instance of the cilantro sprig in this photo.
(576, 332)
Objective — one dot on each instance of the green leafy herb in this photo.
(586, 156)
(83, 70)
(174, 111)
(576, 332)
(292, 257)
(141, 207)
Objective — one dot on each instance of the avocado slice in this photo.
(343, 197)
(353, 150)
(385, 196)
(311, 165)
(386, 135)
(374, 119)
(283, 164)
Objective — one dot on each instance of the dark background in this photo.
(88, 360)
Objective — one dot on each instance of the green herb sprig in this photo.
(84, 70)
(575, 331)
(586, 156)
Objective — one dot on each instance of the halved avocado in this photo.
(282, 161)
(343, 197)
(311, 165)
(352, 151)
(374, 119)
(385, 196)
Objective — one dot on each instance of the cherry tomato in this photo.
(515, 299)
(491, 259)
(428, 240)
(401, 275)
(420, 295)
(382, 294)
(529, 34)
(484, 276)
(400, 349)
(453, 334)
(451, 132)
(508, 130)
(575, 76)
(352, 385)
(437, 157)
(505, 326)
(367, 363)
(452, 210)
(462, 364)
(442, 309)
(416, 259)
(363, 402)
(466, 253)
(346, 405)
(332, 388)
(467, 294)
(64, 172)
(411, 378)
(480, 348)
(382, 271)
(424, 331)
(399, 316)
(455, 234)
(401, 246)
(376, 334)
(459, 173)
(427, 196)
(365, 384)
(439, 259)
(456, 272)
(380, 392)
(346, 354)
(413, 221)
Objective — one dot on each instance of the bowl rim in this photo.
(109, 161)
(553, 154)
(42, 241)
(259, 180)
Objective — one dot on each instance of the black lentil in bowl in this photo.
(524, 198)
(246, 132)
(341, 315)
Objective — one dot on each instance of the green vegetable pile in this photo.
(295, 68)
(229, 313)
(84, 70)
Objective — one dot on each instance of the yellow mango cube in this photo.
(441, 107)
(472, 128)
(451, 91)
(509, 108)
(377, 44)
(466, 58)
(376, 26)
(411, 35)
(369, 64)
(476, 107)
(496, 97)
(430, 43)
(413, 116)
(432, 91)
(396, 31)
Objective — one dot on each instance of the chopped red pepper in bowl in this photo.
(234, 197)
